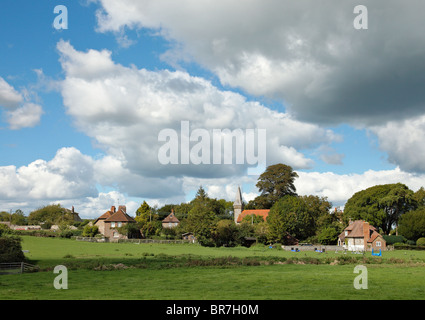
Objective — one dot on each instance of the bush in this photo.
(394, 239)
(420, 242)
(90, 231)
(11, 249)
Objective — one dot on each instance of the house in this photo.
(75, 215)
(170, 221)
(361, 236)
(239, 213)
(110, 221)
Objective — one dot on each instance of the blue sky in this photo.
(344, 126)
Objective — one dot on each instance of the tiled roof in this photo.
(262, 213)
(120, 216)
(171, 218)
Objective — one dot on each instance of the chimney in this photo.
(122, 208)
(72, 209)
(113, 209)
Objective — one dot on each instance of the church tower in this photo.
(237, 205)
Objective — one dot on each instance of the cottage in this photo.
(361, 236)
(110, 221)
(170, 221)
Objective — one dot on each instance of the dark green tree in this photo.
(381, 205)
(275, 183)
(412, 224)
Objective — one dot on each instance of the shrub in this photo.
(11, 249)
(420, 242)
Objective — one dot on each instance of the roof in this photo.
(262, 213)
(120, 216)
(356, 230)
(104, 216)
(171, 218)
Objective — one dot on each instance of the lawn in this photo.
(108, 271)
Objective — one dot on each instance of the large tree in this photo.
(274, 183)
(412, 224)
(381, 205)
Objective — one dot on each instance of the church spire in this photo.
(237, 205)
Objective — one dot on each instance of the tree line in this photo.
(393, 209)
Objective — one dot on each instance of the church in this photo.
(240, 213)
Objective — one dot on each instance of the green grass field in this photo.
(109, 271)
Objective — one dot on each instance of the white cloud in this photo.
(125, 108)
(9, 97)
(403, 141)
(27, 116)
(68, 175)
(339, 188)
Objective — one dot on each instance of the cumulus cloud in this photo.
(68, 175)
(19, 113)
(124, 109)
(338, 188)
(26, 116)
(308, 55)
(403, 142)
(9, 97)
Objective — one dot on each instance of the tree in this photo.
(381, 205)
(225, 233)
(412, 224)
(11, 249)
(275, 183)
(201, 221)
(143, 209)
(51, 214)
(18, 218)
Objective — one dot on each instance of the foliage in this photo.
(90, 231)
(11, 249)
(144, 209)
(390, 240)
(381, 205)
(298, 216)
(50, 215)
(420, 242)
(328, 236)
(412, 224)
(276, 182)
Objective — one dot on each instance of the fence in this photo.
(16, 267)
(89, 239)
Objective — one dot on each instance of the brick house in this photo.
(361, 236)
(170, 221)
(110, 221)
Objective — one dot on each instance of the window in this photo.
(378, 243)
(119, 224)
(112, 224)
(116, 234)
(346, 233)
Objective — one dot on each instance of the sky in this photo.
(118, 102)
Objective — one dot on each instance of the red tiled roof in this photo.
(262, 213)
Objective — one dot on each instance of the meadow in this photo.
(127, 271)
